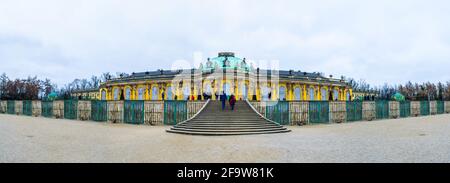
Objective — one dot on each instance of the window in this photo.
(227, 89)
(155, 92)
(170, 93)
(336, 95)
(348, 96)
(103, 95)
(116, 94)
(141, 94)
(311, 94)
(127, 93)
(297, 93)
(186, 92)
(282, 93)
(323, 93)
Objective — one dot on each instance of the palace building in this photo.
(225, 73)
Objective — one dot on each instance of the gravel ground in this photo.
(31, 139)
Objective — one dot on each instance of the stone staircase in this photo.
(213, 121)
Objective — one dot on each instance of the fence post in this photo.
(58, 109)
(433, 107)
(338, 111)
(115, 111)
(369, 111)
(36, 108)
(18, 107)
(447, 106)
(84, 110)
(415, 108)
(394, 109)
(154, 111)
(3, 106)
(298, 112)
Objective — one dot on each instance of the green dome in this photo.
(226, 60)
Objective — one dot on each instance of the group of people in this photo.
(231, 100)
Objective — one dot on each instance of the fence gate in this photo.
(11, 107)
(99, 110)
(174, 112)
(27, 108)
(70, 109)
(405, 109)
(354, 111)
(47, 109)
(278, 112)
(319, 112)
(424, 108)
(133, 112)
(382, 109)
(440, 107)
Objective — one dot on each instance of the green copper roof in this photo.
(226, 60)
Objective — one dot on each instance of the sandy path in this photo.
(31, 139)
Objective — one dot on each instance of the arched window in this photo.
(335, 94)
(116, 94)
(155, 92)
(311, 93)
(170, 93)
(282, 93)
(103, 95)
(265, 93)
(348, 96)
(244, 90)
(297, 93)
(127, 93)
(186, 92)
(323, 93)
(208, 89)
(227, 88)
(141, 93)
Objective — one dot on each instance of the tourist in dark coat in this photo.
(223, 99)
(232, 101)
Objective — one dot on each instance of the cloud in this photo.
(379, 41)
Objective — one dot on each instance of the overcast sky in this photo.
(381, 41)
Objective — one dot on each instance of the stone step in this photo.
(230, 128)
(227, 130)
(215, 121)
(225, 133)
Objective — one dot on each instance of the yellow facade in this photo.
(292, 90)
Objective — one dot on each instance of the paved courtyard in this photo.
(31, 139)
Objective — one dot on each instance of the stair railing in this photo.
(196, 114)
(257, 112)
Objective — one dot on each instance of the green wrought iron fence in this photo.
(133, 111)
(319, 112)
(11, 107)
(278, 112)
(70, 109)
(27, 108)
(174, 112)
(99, 110)
(424, 108)
(47, 108)
(382, 109)
(354, 111)
(405, 109)
(440, 107)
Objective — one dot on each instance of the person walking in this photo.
(223, 99)
(232, 101)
